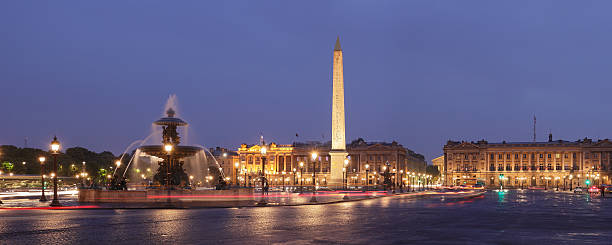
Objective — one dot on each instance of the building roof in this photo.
(551, 143)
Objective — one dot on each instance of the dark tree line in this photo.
(69, 161)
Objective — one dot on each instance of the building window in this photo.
(594, 155)
(549, 166)
(548, 155)
(500, 156)
(516, 156)
(500, 167)
(492, 167)
(541, 155)
(507, 156)
(558, 166)
(473, 157)
(524, 155)
(465, 157)
(517, 167)
(492, 156)
(565, 155)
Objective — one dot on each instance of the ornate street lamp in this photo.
(55, 147)
(168, 148)
(236, 166)
(301, 177)
(314, 175)
(43, 198)
(401, 185)
(367, 166)
(345, 171)
(264, 182)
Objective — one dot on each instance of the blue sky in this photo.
(418, 72)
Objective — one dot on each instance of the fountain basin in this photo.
(174, 198)
(179, 151)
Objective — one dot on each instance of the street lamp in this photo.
(55, 147)
(236, 165)
(301, 177)
(314, 175)
(264, 183)
(345, 182)
(43, 198)
(367, 166)
(401, 185)
(168, 148)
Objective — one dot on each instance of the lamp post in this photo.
(168, 148)
(367, 166)
(344, 178)
(43, 198)
(264, 183)
(236, 165)
(345, 171)
(284, 173)
(245, 176)
(55, 147)
(401, 185)
(314, 176)
(294, 172)
(301, 177)
(83, 173)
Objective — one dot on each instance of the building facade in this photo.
(438, 162)
(551, 164)
(226, 159)
(293, 164)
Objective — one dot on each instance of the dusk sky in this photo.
(97, 73)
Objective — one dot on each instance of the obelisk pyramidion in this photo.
(338, 149)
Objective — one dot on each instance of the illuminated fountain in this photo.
(171, 156)
(170, 174)
(171, 164)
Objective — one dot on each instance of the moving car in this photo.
(578, 190)
(594, 189)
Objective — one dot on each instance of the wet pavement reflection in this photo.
(515, 217)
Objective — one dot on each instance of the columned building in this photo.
(286, 163)
(528, 164)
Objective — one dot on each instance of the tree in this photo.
(7, 166)
(432, 170)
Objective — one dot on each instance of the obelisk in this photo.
(338, 149)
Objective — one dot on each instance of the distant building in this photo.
(523, 164)
(283, 160)
(439, 163)
(226, 159)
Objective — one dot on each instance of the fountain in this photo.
(174, 173)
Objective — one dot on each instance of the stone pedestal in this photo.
(337, 163)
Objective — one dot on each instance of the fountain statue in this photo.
(184, 172)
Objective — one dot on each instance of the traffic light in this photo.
(587, 182)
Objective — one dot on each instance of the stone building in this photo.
(438, 162)
(549, 164)
(226, 159)
(283, 162)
